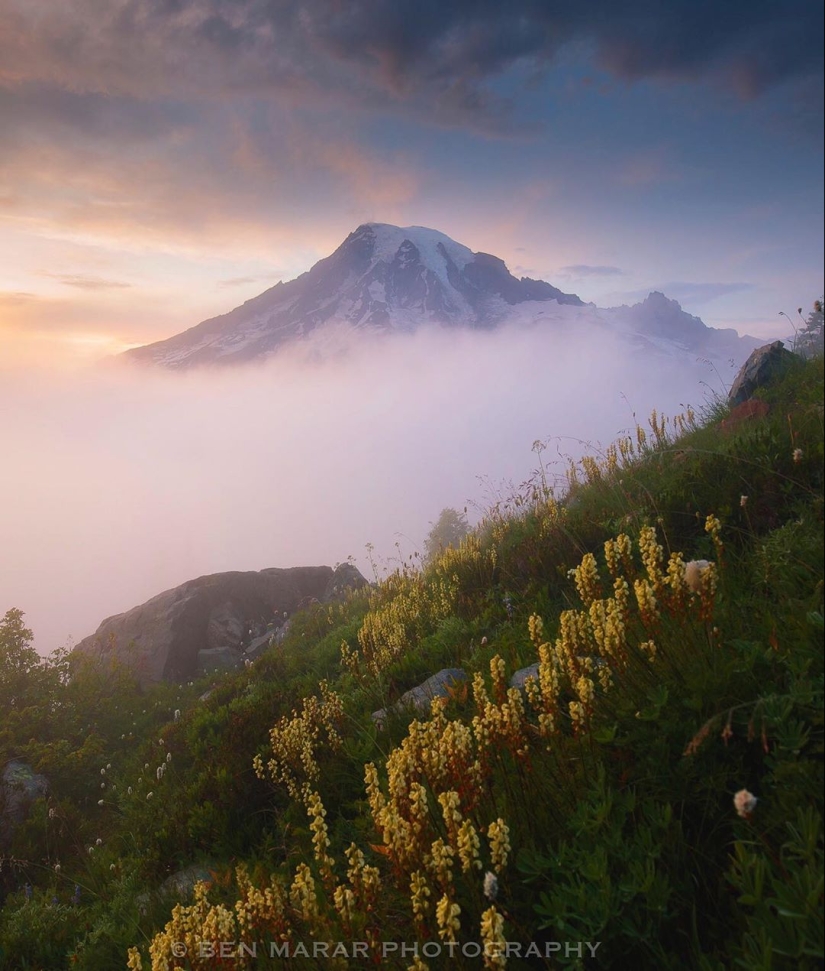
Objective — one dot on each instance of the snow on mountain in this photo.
(386, 278)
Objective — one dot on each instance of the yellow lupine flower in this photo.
(492, 934)
(498, 832)
(447, 913)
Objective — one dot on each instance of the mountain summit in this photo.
(385, 278)
(381, 277)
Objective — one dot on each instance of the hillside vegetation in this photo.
(652, 798)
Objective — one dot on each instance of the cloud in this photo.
(243, 281)
(14, 298)
(167, 477)
(584, 270)
(90, 282)
(436, 57)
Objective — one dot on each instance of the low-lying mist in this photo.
(121, 483)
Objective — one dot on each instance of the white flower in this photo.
(177, 714)
(98, 842)
(797, 456)
(490, 885)
(743, 501)
(693, 573)
(149, 795)
(168, 756)
(102, 785)
(103, 772)
(57, 868)
(745, 803)
(100, 802)
(129, 790)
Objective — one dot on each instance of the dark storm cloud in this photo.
(380, 51)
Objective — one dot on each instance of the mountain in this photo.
(385, 278)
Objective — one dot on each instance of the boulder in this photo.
(344, 578)
(419, 698)
(258, 645)
(764, 365)
(20, 786)
(519, 679)
(163, 638)
(218, 659)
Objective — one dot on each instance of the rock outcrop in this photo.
(210, 622)
(419, 698)
(764, 365)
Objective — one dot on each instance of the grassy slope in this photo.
(620, 809)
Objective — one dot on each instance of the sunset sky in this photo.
(161, 161)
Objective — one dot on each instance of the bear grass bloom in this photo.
(745, 803)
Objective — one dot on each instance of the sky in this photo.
(161, 161)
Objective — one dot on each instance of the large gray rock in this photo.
(519, 679)
(214, 659)
(20, 786)
(163, 638)
(258, 645)
(764, 365)
(420, 697)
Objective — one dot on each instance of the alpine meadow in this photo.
(412, 448)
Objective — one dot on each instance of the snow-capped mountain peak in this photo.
(392, 278)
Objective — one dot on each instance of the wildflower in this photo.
(149, 795)
(797, 456)
(745, 803)
(498, 833)
(160, 742)
(52, 814)
(177, 714)
(447, 914)
(98, 842)
(743, 501)
(492, 933)
(168, 756)
(108, 765)
(103, 772)
(57, 868)
(129, 790)
(490, 885)
(693, 573)
(100, 802)
(419, 895)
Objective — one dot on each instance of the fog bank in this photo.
(118, 484)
